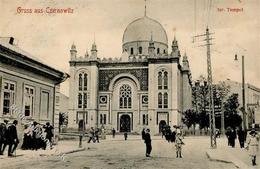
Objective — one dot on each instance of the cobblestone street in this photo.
(118, 153)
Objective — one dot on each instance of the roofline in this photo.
(64, 74)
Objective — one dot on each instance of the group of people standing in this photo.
(8, 136)
(232, 135)
(174, 136)
(37, 136)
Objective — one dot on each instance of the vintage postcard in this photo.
(129, 84)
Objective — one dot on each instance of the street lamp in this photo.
(243, 109)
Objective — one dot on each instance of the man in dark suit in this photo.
(3, 128)
(12, 138)
(148, 142)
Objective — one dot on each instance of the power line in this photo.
(208, 39)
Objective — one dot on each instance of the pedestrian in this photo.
(113, 132)
(26, 138)
(253, 145)
(241, 137)
(163, 131)
(49, 133)
(12, 138)
(91, 135)
(97, 134)
(148, 142)
(178, 145)
(143, 133)
(233, 137)
(3, 129)
(173, 136)
(125, 135)
(228, 134)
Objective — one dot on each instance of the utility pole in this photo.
(243, 93)
(213, 142)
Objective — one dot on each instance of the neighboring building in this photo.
(146, 87)
(252, 100)
(64, 103)
(30, 86)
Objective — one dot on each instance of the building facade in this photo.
(252, 100)
(29, 89)
(146, 87)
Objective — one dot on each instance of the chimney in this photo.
(11, 41)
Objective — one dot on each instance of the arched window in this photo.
(79, 100)
(140, 50)
(158, 50)
(165, 80)
(80, 82)
(85, 81)
(85, 100)
(125, 97)
(132, 51)
(165, 100)
(101, 119)
(164, 51)
(160, 100)
(160, 80)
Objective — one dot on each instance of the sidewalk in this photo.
(60, 150)
(239, 157)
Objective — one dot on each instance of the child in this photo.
(252, 145)
(178, 145)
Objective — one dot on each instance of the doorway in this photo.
(125, 123)
(161, 125)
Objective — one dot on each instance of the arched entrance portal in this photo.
(161, 125)
(125, 123)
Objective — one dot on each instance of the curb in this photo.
(74, 151)
(237, 163)
(218, 160)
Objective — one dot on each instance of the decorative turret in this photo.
(86, 54)
(73, 51)
(185, 62)
(175, 48)
(94, 51)
(151, 48)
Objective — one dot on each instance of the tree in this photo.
(190, 118)
(232, 117)
(200, 100)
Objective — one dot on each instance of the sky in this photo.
(50, 36)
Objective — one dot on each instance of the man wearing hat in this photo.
(11, 138)
(3, 129)
(252, 145)
(148, 142)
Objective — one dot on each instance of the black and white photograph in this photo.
(129, 84)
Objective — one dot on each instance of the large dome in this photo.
(141, 29)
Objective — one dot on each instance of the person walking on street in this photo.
(91, 135)
(49, 133)
(233, 137)
(125, 135)
(113, 132)
(3, 129)
(253, 145)
(143, 133)
(97, 134)
(178, 145)
(12, 138)
(148, 142)
(241, 137)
